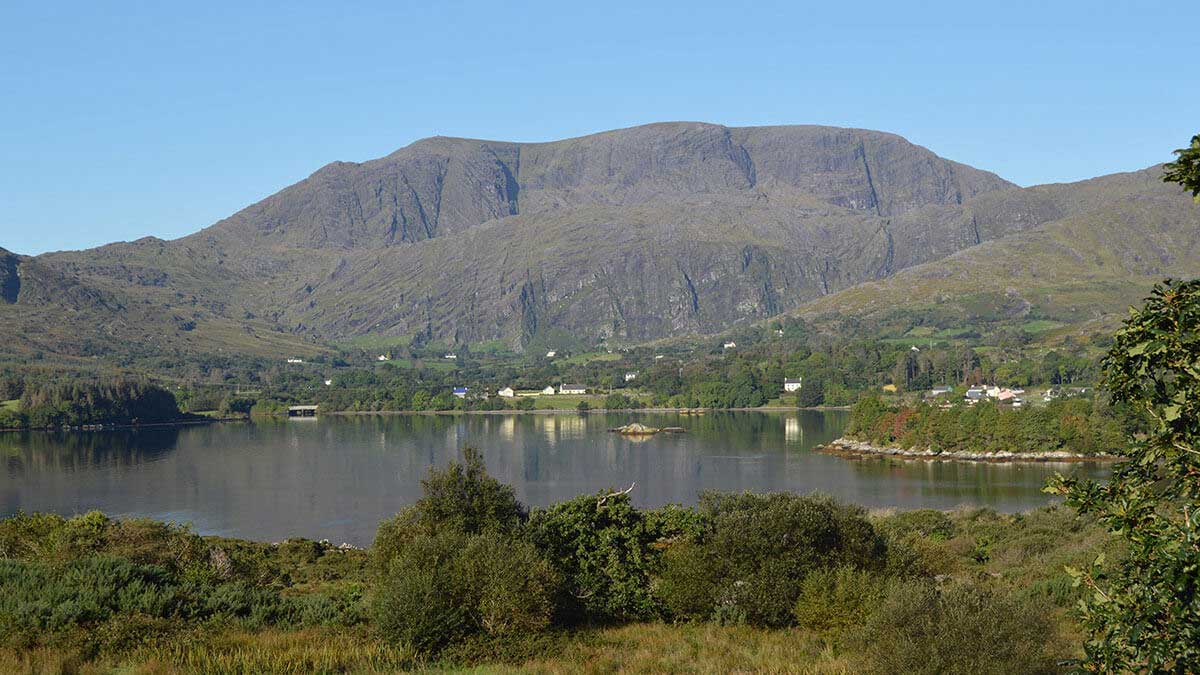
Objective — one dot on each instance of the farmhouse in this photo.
(730, 345)
(295, 360)
(507, 392)
(631, 375)
(791, 384)
(549, 390)
(551, 354)
(572, 389)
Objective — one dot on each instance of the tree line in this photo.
(77, 402)
(1079, 426)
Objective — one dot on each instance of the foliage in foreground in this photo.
(1144, 614)
(454, 598)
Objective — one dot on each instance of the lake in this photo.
(336, 477)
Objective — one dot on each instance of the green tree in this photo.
(1143, 612)
(1186, 169)
(602, 549)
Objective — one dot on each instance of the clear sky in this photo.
(125, 119)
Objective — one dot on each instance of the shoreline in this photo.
(560, 411)
(852, 449)
(115, 427)
(365, 413)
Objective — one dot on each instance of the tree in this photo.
(812, 393)
(1143, 612)
(1186, 169)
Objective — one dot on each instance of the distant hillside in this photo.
(1120, 235)
(637, 234)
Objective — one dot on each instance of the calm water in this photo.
(336, 477)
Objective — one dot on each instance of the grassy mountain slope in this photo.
(1084, 269)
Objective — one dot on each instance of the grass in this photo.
(641, 647)
(696, 648)
(12, 405)
(1041, 325)
(588, 357)
(1023, 555)
(567, 401)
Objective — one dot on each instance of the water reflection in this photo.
(336, 477)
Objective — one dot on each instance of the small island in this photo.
(637, 429)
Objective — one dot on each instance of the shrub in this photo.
(422, 602)
(759, 548)
(601, 548)
(461, 498)
(447, 587)
(964, 629)
(835, 600)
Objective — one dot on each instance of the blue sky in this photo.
(119, 120)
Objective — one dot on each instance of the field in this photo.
(10, 405)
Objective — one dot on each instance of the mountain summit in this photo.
(638, 233)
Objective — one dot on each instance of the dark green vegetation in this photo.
(616, 238)
(73, 402)
(1077, 426)
(467, 575)
(1185, 170)
(1144, 613)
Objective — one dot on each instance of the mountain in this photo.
(636, 234)
(1110, 240)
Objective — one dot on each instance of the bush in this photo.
(444, 588)
(964, 629)
(460, 498)
(835, 600)
(749, 563)
(601, 548)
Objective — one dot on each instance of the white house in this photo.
(572, 389)
(551, 354)
(328, 383)
(507, 392)
(791, 384)
(657, 356)
(295, 360)
(630, 376)
(730, 345)
(450, 356)
(549, 390)
(993, 392)
(381, 357)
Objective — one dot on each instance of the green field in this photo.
(588, 357)
(10, 405)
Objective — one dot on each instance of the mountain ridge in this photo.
(634, 234)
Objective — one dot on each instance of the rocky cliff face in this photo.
(639, 233)
(10, 281)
